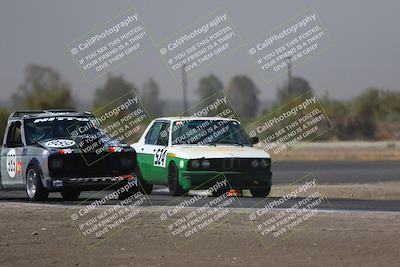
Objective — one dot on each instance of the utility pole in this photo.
(184, 88)
(289, 62)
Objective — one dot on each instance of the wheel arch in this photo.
(35, 162)
(172, 161)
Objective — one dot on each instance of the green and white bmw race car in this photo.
(185, 152)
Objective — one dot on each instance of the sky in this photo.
(364, 52)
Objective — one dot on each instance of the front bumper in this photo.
(236, 179)
(89, 183)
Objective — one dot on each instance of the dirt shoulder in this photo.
(43, 235)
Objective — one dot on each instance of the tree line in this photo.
(372, 115)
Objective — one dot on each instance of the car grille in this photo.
(76, 165)
(232, 164)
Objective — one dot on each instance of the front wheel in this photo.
(260, 192)
(175, 189)
(34, 187)
(70, 194)
(127, 192)
(218, 192)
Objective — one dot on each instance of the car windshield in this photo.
(42, 129)
(208, 132)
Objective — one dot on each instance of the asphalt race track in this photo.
(326, 172)
(333, 172)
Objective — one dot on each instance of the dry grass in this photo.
(382, 150)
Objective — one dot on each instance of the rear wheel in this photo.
(126, 194)
(34, 187)
(175, 189)
(143, 186)
(260, 192)
(69, 194)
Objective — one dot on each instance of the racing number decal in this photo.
(11, 163)
(159, 157)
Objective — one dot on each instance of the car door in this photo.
(154, 152)
(11, 156)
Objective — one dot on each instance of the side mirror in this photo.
(254, 140)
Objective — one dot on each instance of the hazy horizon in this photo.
(363, 33)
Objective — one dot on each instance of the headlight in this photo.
(56, 163)
(255, 163)
(195, 163)
(205, 164)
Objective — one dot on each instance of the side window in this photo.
(14, 138)
(162, 139)
(158, 134)
(29, 132)
(152, 135)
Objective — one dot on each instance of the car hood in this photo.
(219, 151)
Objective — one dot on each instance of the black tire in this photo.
(127, 194)
(218, 193)
(144, 187)
(69, 194)
(131, 190)
(34, 187)
(175, 189)
(260, 192)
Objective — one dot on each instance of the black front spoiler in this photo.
(89, 183)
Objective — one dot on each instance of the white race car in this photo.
(185, 153)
